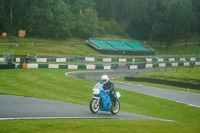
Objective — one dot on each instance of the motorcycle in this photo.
(102, 101)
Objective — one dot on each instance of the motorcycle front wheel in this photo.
(94, 106)
(115, 109)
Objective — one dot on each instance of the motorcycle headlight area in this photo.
(118, 94)
(96, 91)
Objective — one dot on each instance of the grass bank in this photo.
(54, 85)
(180, 75)
(45, 83)
(185, 75)
(97, 126)
(75, 46)
(14, 39)
(51, 49)
(179, 50)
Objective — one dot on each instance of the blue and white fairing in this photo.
(98, 92)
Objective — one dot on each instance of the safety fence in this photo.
(81, 59)
(163, 65)
(89, 62)
(108, 67)
(164, 82)
(59, 66)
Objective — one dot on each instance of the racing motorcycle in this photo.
(102, 101)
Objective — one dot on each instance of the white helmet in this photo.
(104, 79)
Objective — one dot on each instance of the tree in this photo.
(63, 21)
(2, 16)
(196, 5)
(189, 21)
(141, 24)
(50, 18)
(178, 20)
(86, 24)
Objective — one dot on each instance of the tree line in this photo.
(164, 21)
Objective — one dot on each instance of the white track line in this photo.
(28, 118)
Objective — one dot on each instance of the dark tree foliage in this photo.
(160, 20)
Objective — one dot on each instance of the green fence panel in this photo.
(80, 58)
(99, 67)
(20, 66)
(166, 59)
(177, 59)
(197, 59)
(43, 66)
(31, 60)
(51, 60)
(129, 60)
(63, 66)
(180, 64)
(28, 60)
(70, 60)
(155, 65)
(187, 59)
(14, 60)
(154, 59)
(114, 66)
(168, 64)
(114, 60)
(141, 66)
(81, 66)
(98, 59)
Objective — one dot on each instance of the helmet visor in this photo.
(104, 81)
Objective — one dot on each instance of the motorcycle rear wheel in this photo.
(94, 106)
(115, 109)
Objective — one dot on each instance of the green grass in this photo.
(14, 39)
(53, 84)
(43, 46)
(158, 85)
(178, 50)
(180, 75)
(44, 83)
(48, 49)
(95, 126)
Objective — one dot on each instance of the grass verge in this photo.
(46, 49)
(158, 85)
(53, 84)
(182, 75)
(97, 126)
(60, 46)
(178, 50)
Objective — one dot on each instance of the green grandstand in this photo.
(119, 47)
(137, 46)
(102, 44)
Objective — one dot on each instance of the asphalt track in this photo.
(191, 99)
(17, 107)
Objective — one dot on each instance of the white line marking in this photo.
(28, 118)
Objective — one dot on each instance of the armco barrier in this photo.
(58, 66)
(164, 82)
(148, 65)
(108, 59)
(7, 66)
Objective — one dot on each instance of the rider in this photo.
(109, 87)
